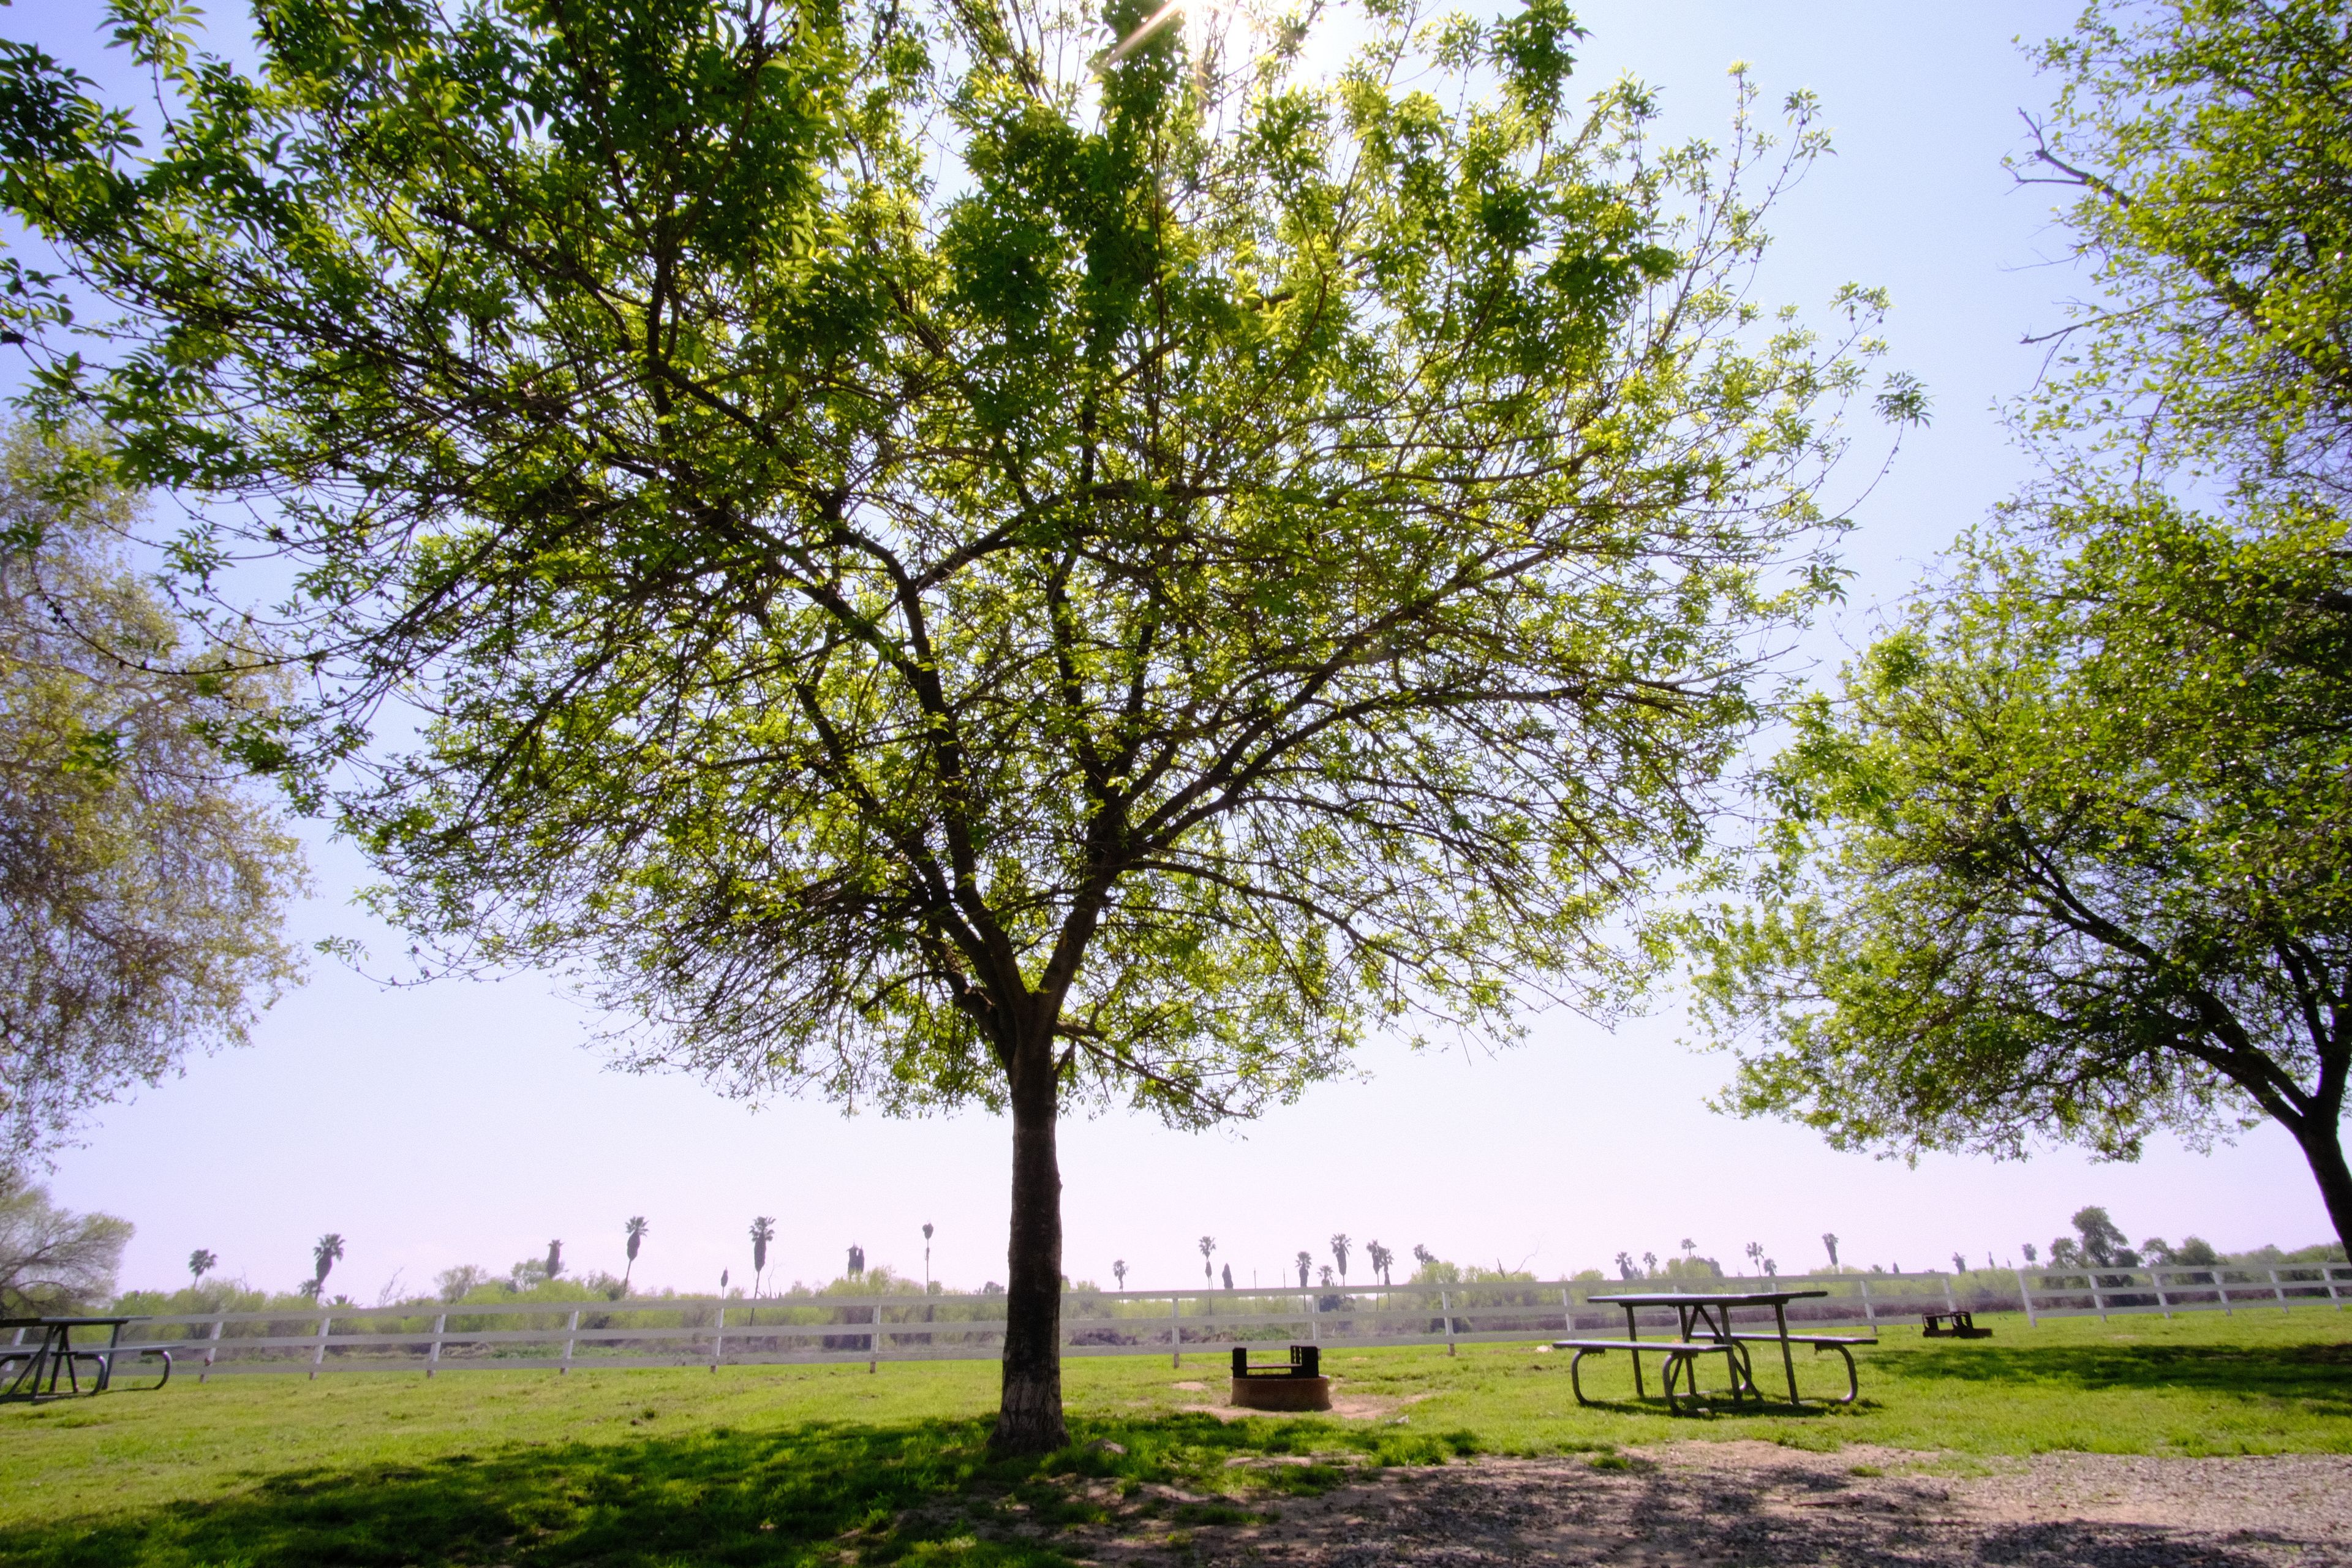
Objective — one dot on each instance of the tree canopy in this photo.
(2204, 141)
(2069, 856)
(969, 554)
(142, 880)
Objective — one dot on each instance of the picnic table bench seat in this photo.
(1838, 1343)
(1682, 1357)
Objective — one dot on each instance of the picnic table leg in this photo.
(1639, 1392)
(106, 1367)
(1743, 1372)
(1718, 1325)
(27, 1376)
(1853, 1382)
(34, 1370)
(1788, 1362)
(1575, 1382)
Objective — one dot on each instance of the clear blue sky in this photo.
(463, 1123)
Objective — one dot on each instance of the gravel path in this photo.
(1755, 1503)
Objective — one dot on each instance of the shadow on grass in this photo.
(2318, 1376)
(785, 1495)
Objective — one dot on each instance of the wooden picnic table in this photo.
(51, 1356)
(1704, 1322)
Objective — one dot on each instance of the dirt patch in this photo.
(1756, 1503)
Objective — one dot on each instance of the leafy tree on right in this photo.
(2069, 858)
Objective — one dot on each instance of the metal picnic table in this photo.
(52, 1357)
(1703, 1320)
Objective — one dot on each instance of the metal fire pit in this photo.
(1297, 1383)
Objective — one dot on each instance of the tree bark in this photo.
(1029, 1420)
(2322, 1141)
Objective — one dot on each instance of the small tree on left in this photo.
(51, 1259)
(140, 885)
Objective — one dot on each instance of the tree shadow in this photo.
(2316, 1375)
(787, 1494)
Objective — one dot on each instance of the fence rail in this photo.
(651, 1331)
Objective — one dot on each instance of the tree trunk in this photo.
(2322, 1139)
(1029, 1421)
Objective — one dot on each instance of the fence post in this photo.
(2026, 1294)
(1445, 1306)
(873, 1341)
(433, 1356)
(570, 1332)
(1951, 1303)
(719, 1338)
(2277, 1289)
(1567, 1311)
(1175, 1331)
(2222, 1288)
(2328, 1271)
(1869, 1310)
(319, 1356)
(2097, 1300)
(2156, 1278)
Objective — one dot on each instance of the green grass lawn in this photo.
(796, 1464)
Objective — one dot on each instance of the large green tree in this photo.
(142, 879)
(2202, 143)
(967, 554)
(2069, 856)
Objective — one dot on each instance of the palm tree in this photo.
(1689, 1246)
(1422, 1256)
(201, 1263)
(1624, 1265)
(330, 1248)
(636, 1231)
(1381, 1257)
(1828, 1239)
(1959, 1264)
(1648, 1263)
(763, 1231)
(1118, 1272)
(554, 1257)
(926, 1257)
(1339, 1251)
(1306, 1262)
(1208, 1245)
(1755, 1254)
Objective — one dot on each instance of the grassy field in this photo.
(800, 1464)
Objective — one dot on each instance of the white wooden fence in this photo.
(559, 1335)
